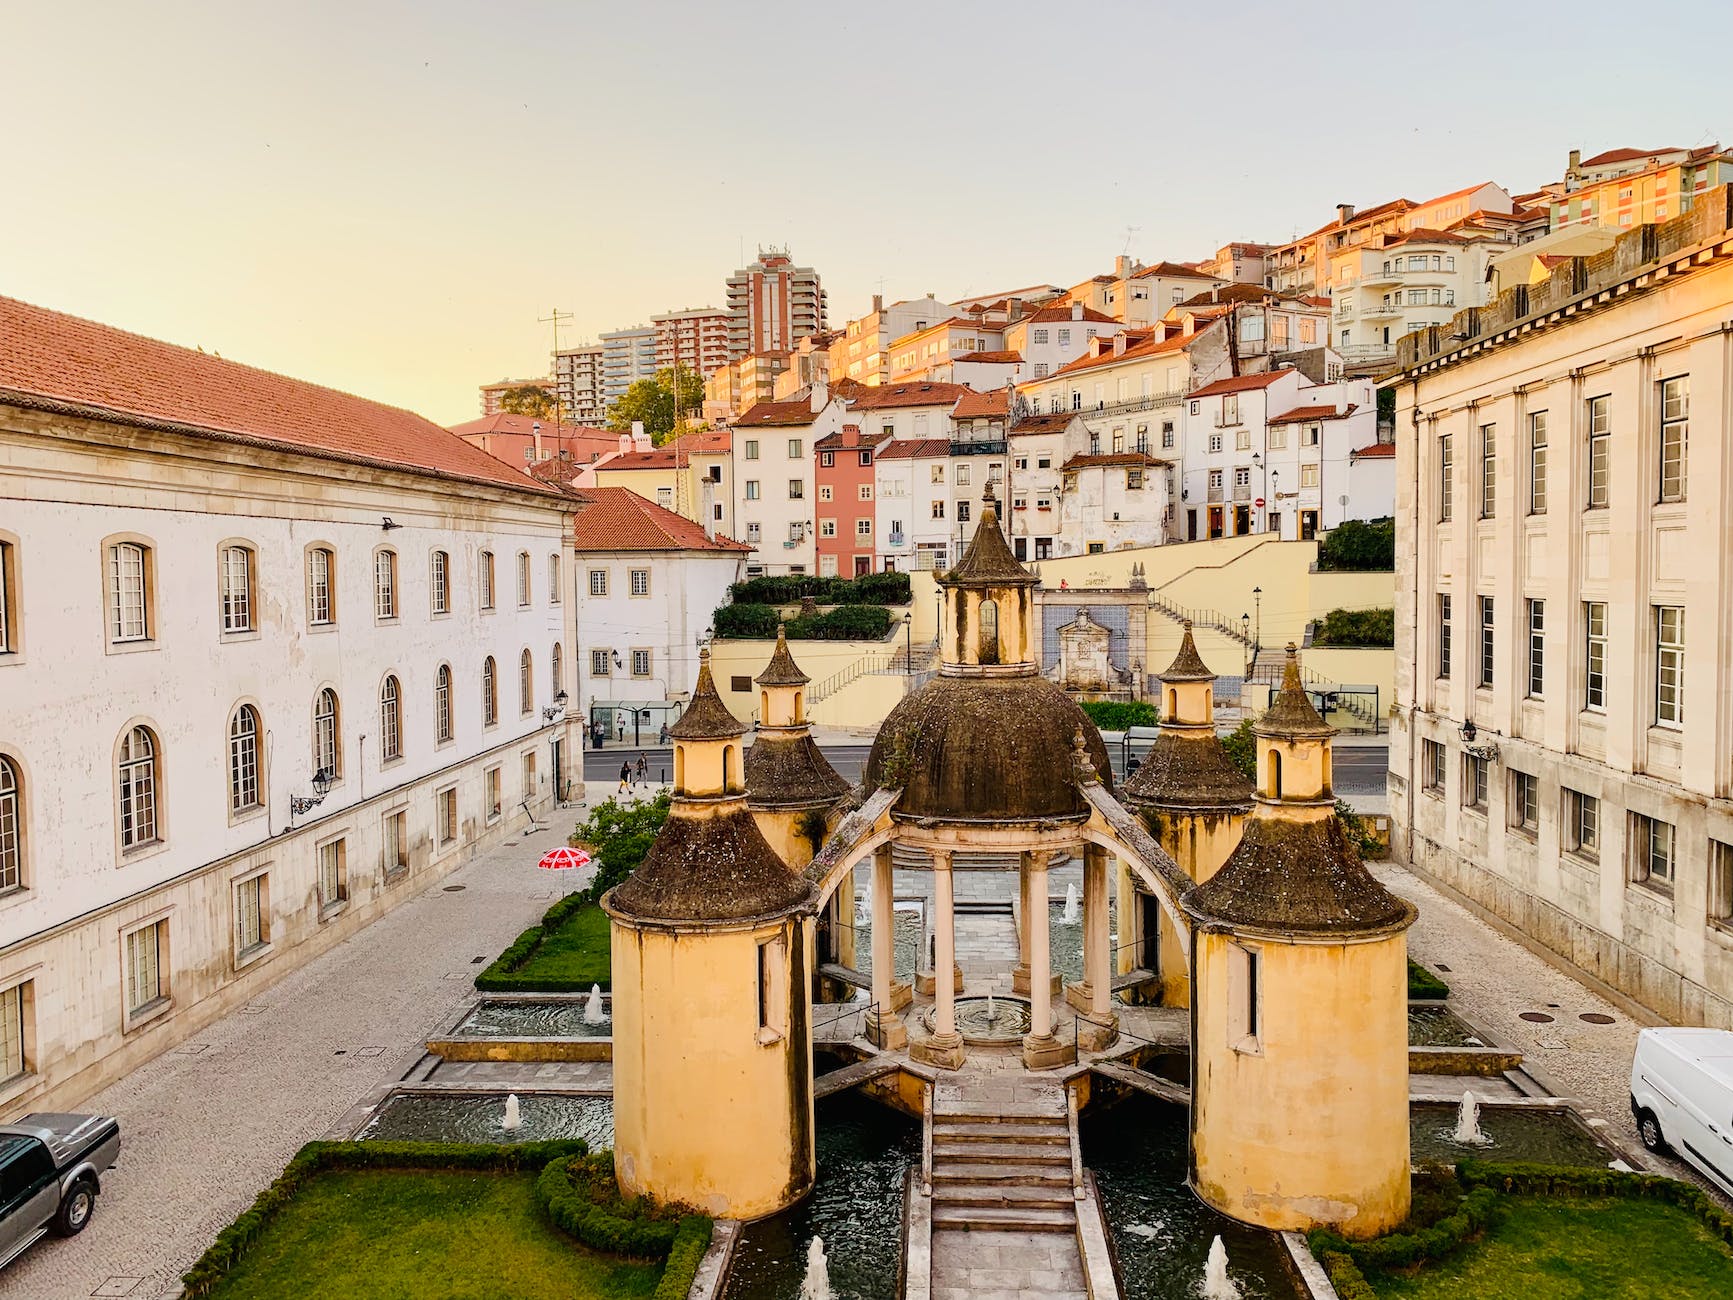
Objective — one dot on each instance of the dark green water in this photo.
(478, 1117)
(856, 1206)
(1161, 1231)
(555, 1018)
(1547, 1137)
(1437, 1027)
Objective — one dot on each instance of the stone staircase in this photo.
(1003, 1172)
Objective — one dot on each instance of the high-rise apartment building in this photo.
(492, 393)
(578, 378)
(772, 305)
(628, 355)
(696, 338)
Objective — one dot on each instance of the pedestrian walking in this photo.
(625, 776)
(643, 768)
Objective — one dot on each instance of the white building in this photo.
(773, 477)
(275, 658)
(1050, 337)
(911, 491)
(862, 352)
(914, 409)
(1560, 750)
(648, 582)
(578, 380)
(628, 355)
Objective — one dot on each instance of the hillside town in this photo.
(1211, 780)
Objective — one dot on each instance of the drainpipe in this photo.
(1414, 622)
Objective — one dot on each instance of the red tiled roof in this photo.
(1240, 383)
(1111, 458)
(982, 406)
(705, 441)
(1379, 450)
(660, 458)
(1052, 423)
(1047, 314)
(790, 413)
(848, 439)
(1133, 352)
(50, 356)
(618, 519)
(995, 358)
(1230, 293)
(914, 449)
(1303, 414)
(505, 422)
(919, 393)
(1424, 235)
(1172, 268)
(1625, 155)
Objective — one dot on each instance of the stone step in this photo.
(993, 1196)
(1027, 1115)
(981, 1135)
(1050, 1175)
(1003, 1153)
(987, 1218)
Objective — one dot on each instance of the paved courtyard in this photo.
(208, 1125)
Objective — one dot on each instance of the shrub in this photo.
(868, 589)
(1422, 983)
(1242, 748)
(690, 1243)
(1366, 841)
(746, 622)
(1117, 715)
(580, 1197)
(619, 835)
(1356, 627)
(844, 623)
(1358, 547)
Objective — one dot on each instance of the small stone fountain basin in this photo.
(1008, 1023)
(542, 1018)
(1431, 1026)
(480, 1117)
(1547, 1135)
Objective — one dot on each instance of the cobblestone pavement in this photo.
(1494, 981)
(205, 1127)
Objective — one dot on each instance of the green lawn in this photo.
(1549, 1249)
(577, 951)
(423, 1234)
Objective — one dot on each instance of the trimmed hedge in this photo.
(844, 623)
(235, 1240)
(1422, 983)
(1555, 1180)
(1375, 628)
(582, 1200)
(1117, 715)
(500, 975)
(690, 1243)
(1358, 547)
(868, 589)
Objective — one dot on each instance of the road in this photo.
(1358, 770)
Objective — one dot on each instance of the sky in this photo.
(385, 197)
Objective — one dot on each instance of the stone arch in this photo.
(987, 649)
(1273, 773)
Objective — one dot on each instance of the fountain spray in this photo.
(816, 1284)
(511, 1121)
(594, 1012)
(1217, 1285)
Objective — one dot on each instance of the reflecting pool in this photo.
(1520, 1134)
(478, 1117)
(555, 1018)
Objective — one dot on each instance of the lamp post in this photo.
(1275, 492)
(909, 643)
(1246, 638)
(322, 780)
(1258, 610)
(1263, 482)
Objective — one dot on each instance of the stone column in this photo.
(944, 1047)
(1040, 1048)
(1093, 997)
(1020, 972)
(884, 1027)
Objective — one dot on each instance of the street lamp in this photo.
(1258, 609)
(1246, 638)
(909, 641)
(322, 780)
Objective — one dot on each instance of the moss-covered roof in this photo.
(1291, 715)
(782, 670)
(1188, 770)
(1187, 665)
(704, 868)
(1298, 876)
(984, 749)
(707, 717)
(988, 561)
(785, 770)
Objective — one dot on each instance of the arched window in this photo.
(525, 683)
(390, 720)
(321, 583)
(442, 704)
(523, 577)
(139, 784)
(130, 594)
(385, 584)
(728, 781)
(489, 692)
(235, 580)
(11, 827)
(989, 647)
(487, 579)
(558, 673)
(439, 576)
(1172, 704)
(1274, 768)
(244, 759)
(327, 752)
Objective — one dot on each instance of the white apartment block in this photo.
(912, 496)
(773, 470)
(862, 352)
(1051, 337)
(773, 304)
(1562, 750)
(578, 380)
(289, 656)
(628, 355)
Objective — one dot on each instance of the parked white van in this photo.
(1682, 1097)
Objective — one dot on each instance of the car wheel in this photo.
(76, 1209)
(1649, 1129)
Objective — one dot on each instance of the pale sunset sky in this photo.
(384, 197)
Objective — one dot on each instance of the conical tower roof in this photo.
(1291, 715)
(988, 562)
(782, 670)
(707, 717)
(1187, 665)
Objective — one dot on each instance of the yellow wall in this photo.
(780, 829)
(688, 1050)
(1200, 844)
(1314, 1128)
(1355, 668)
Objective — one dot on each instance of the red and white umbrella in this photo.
(564, 858)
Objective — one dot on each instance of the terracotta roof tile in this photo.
(1149, 347)
(1377, 451)
(1054, 423)
(1240, 383)
(1302, 414)
(1046, 315)
(915, 449)
(1172, 268)
(1137, 458)
(982, 406)
(917, 393)
(50, 356)
(505, 422)
(1625, 155)
(993, 358)
(777, 413)
(618, 519)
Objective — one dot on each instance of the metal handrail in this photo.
(1213, 619)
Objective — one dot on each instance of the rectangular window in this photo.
(385, 584)
(1670, 665)
(1486, 652)
(553, 579)
(796, 489)
(447, 811)
(1443, 635)
(1537, 463)
(962, 476)
(1536, 648)
(318, 587)
(794, 449)
(598, 663)
(1524, 802)
(640, 579)
(938, 510)
(251, 912)
(865, 492)
(487, 576)
(640, 663)
(1474, 782)
(752, 490)
(490, 793)
(1581, 832)
(1675, 433)
(146, 983)
(1720, 887)
(863, 528)
(529, 776)
(1445, 474)
(1652, 847)
(394, 843)
(1308, 476)
(440, 577)
(1432, 755)
(1245, 973)
(1595, 655)
(237, 589)
(827, 528)
(14, 1004)
(523, 578)
(333, 875)
(598, 582)
(1040, 336)
(1488, 470)
(754, 532)
(1600, 447)
(751, 449)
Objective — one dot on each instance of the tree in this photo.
(527, 399)
(651, 401)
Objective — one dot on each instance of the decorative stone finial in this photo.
(1080, 760)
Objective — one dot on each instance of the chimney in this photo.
(1344, 213)
(536, 438)
(625, 443)
(820, 395)
(1013, 308)
(1121, 266)
(1076, 311)
(1119, 344)
(1341, 400)
(878, 303)
(640, 439)
(1576, 160)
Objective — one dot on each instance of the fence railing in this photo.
(1213, 619)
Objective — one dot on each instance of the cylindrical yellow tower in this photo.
(1195, 802)
(712, 1046)
(788, 779)
(1299, 1006)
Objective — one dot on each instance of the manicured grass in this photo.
(1577, 1249)
(423, 1234)
(576, 951)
